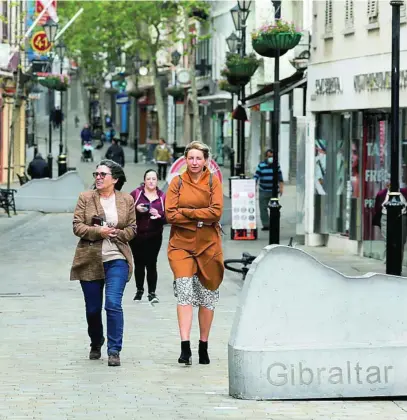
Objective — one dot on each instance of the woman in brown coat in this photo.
(194, 206)
(105, 220)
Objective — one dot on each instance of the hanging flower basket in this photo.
(111, 90)
(178, 93)
(93, 89)
(275, 39)
(234, 80)
(224, 85)
(136, 93)
(55, 82)
(242, 66)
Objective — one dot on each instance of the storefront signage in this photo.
(329, 86)
(377, 81)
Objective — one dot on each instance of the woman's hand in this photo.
(140, 208)
(154, 214)
(106, 232)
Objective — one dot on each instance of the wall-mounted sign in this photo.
(329, 86)
(267, 106)
(40, 43)
(183, 76)
(377, 81)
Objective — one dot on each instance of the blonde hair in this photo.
(198, 145)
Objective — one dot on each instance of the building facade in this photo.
(348, 122)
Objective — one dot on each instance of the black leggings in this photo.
(145, 254)
(162, 171)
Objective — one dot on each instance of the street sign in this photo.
(40, 43)
(122, 99)
(50, 13)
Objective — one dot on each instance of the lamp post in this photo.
(233, 43)
(175, 58)
(137, 65)
(274, 204)
(239, 17)
(50, 29)
(394, 242)
(60, 49)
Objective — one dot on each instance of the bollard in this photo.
(62, 166)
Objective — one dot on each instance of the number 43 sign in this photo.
(40, 43)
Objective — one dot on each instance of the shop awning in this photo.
(218, 97)
(296, 80)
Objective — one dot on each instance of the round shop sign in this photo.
(40, 43)
(180, 166)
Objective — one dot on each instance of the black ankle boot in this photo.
(186, 354)
(203, 353)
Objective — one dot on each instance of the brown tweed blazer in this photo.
(87, 263)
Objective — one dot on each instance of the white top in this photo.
(110, 251)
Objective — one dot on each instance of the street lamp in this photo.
(394, 242)
(240, 14)
(60, 49)
(274, 203)
(233, 42)
(175, 58)
(237, 22)
(137, 62)
(50, 29)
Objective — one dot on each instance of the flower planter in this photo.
(111, 90)
(224, 85)
(238, 80)
(273, 44)
(177, 93)
(136, 93)
(242, 69)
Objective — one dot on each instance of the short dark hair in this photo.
(117, 172)
(268, 151)
(149, 170)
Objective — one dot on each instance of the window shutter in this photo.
(372, 8)
(328, 15)
(349, 13)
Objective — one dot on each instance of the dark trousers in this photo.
(162, 171)
(145, 254)
(116, 275)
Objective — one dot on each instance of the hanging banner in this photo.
(243, 204)
(38, 45)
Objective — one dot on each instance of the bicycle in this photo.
(246, 261)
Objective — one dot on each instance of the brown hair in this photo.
(197, 145)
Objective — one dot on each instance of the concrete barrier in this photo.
(57, 195)
(305, 331)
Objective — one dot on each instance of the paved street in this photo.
(44, 362)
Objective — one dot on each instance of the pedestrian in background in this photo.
(162, 156)
(149, 201)
(105, 221)
(194, 206)
(264, 179)
(115, 152)
(86, 134)
(38, 167)
(76, 121)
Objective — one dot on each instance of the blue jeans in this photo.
(116, 274)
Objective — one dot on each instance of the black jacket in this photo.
(115, 152)
(38, 168)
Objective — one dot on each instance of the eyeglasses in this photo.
(101, 174)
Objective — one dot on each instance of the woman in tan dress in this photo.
(194, 206)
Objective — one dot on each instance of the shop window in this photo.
(4, 22)
(349, 17)
(328, 18)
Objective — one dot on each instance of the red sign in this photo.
(40, 43)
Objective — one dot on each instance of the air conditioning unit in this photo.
(302, 50)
